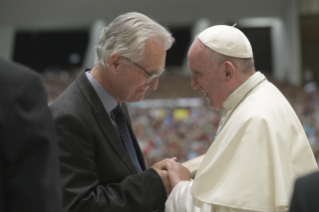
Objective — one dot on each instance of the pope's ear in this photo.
(114, 61)
(229, 70)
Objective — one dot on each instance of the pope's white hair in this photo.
(127, 35)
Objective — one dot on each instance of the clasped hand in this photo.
(171, 173)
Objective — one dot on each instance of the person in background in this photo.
(29, 171)
(102, 166)
(260, 147)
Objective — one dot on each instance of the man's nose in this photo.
(194, 82)
(154, 83)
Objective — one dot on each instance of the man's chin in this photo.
(214, 106)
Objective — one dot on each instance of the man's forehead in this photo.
(199, 53)
(197, 48)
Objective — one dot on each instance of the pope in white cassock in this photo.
(260, 147)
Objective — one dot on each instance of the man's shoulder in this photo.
(13, 74)
(19, 83)
(70, 101)
(267, 91)
(266, 102)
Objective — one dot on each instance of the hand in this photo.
(160, 164)
(159, 168)
(176, 172)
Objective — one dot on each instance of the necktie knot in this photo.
(117, 111)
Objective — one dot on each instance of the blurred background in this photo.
(57, 39)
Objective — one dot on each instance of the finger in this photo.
(158, 165)
(168, 165)
(172, 162)
(162, 161)
(164, 173)
(162, 165)
(165, 180)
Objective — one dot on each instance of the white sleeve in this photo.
(218, 208)
(181, 200)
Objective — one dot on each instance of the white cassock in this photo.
(254, 160)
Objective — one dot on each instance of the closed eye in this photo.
(198, 74)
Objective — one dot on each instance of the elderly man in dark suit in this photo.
(29, 172)
(102, 166)
(306, 194)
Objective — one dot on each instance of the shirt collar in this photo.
(235, 97)
(107, 100)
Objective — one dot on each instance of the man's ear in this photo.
(114, 62)
(229, 70)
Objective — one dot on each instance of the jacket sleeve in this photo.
(29, 151)
(82, 190)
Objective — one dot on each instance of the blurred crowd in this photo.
(187, 132)
(305, 102)
(174, 132)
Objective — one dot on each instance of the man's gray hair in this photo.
(127, 35)
(244, 64)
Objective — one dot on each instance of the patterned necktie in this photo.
(125, 135)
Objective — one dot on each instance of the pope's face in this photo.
(132, 83)
(205, 75)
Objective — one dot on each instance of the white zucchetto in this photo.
(227, 40)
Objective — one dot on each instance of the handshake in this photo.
(171, 173)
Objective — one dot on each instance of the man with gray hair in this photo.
(260, 146)
(102, 166)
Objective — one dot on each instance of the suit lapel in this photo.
(104, 121)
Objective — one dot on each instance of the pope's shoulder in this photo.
(267, 103)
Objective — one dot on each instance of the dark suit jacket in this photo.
(306, 194)
(97, 172)
(29, 172)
